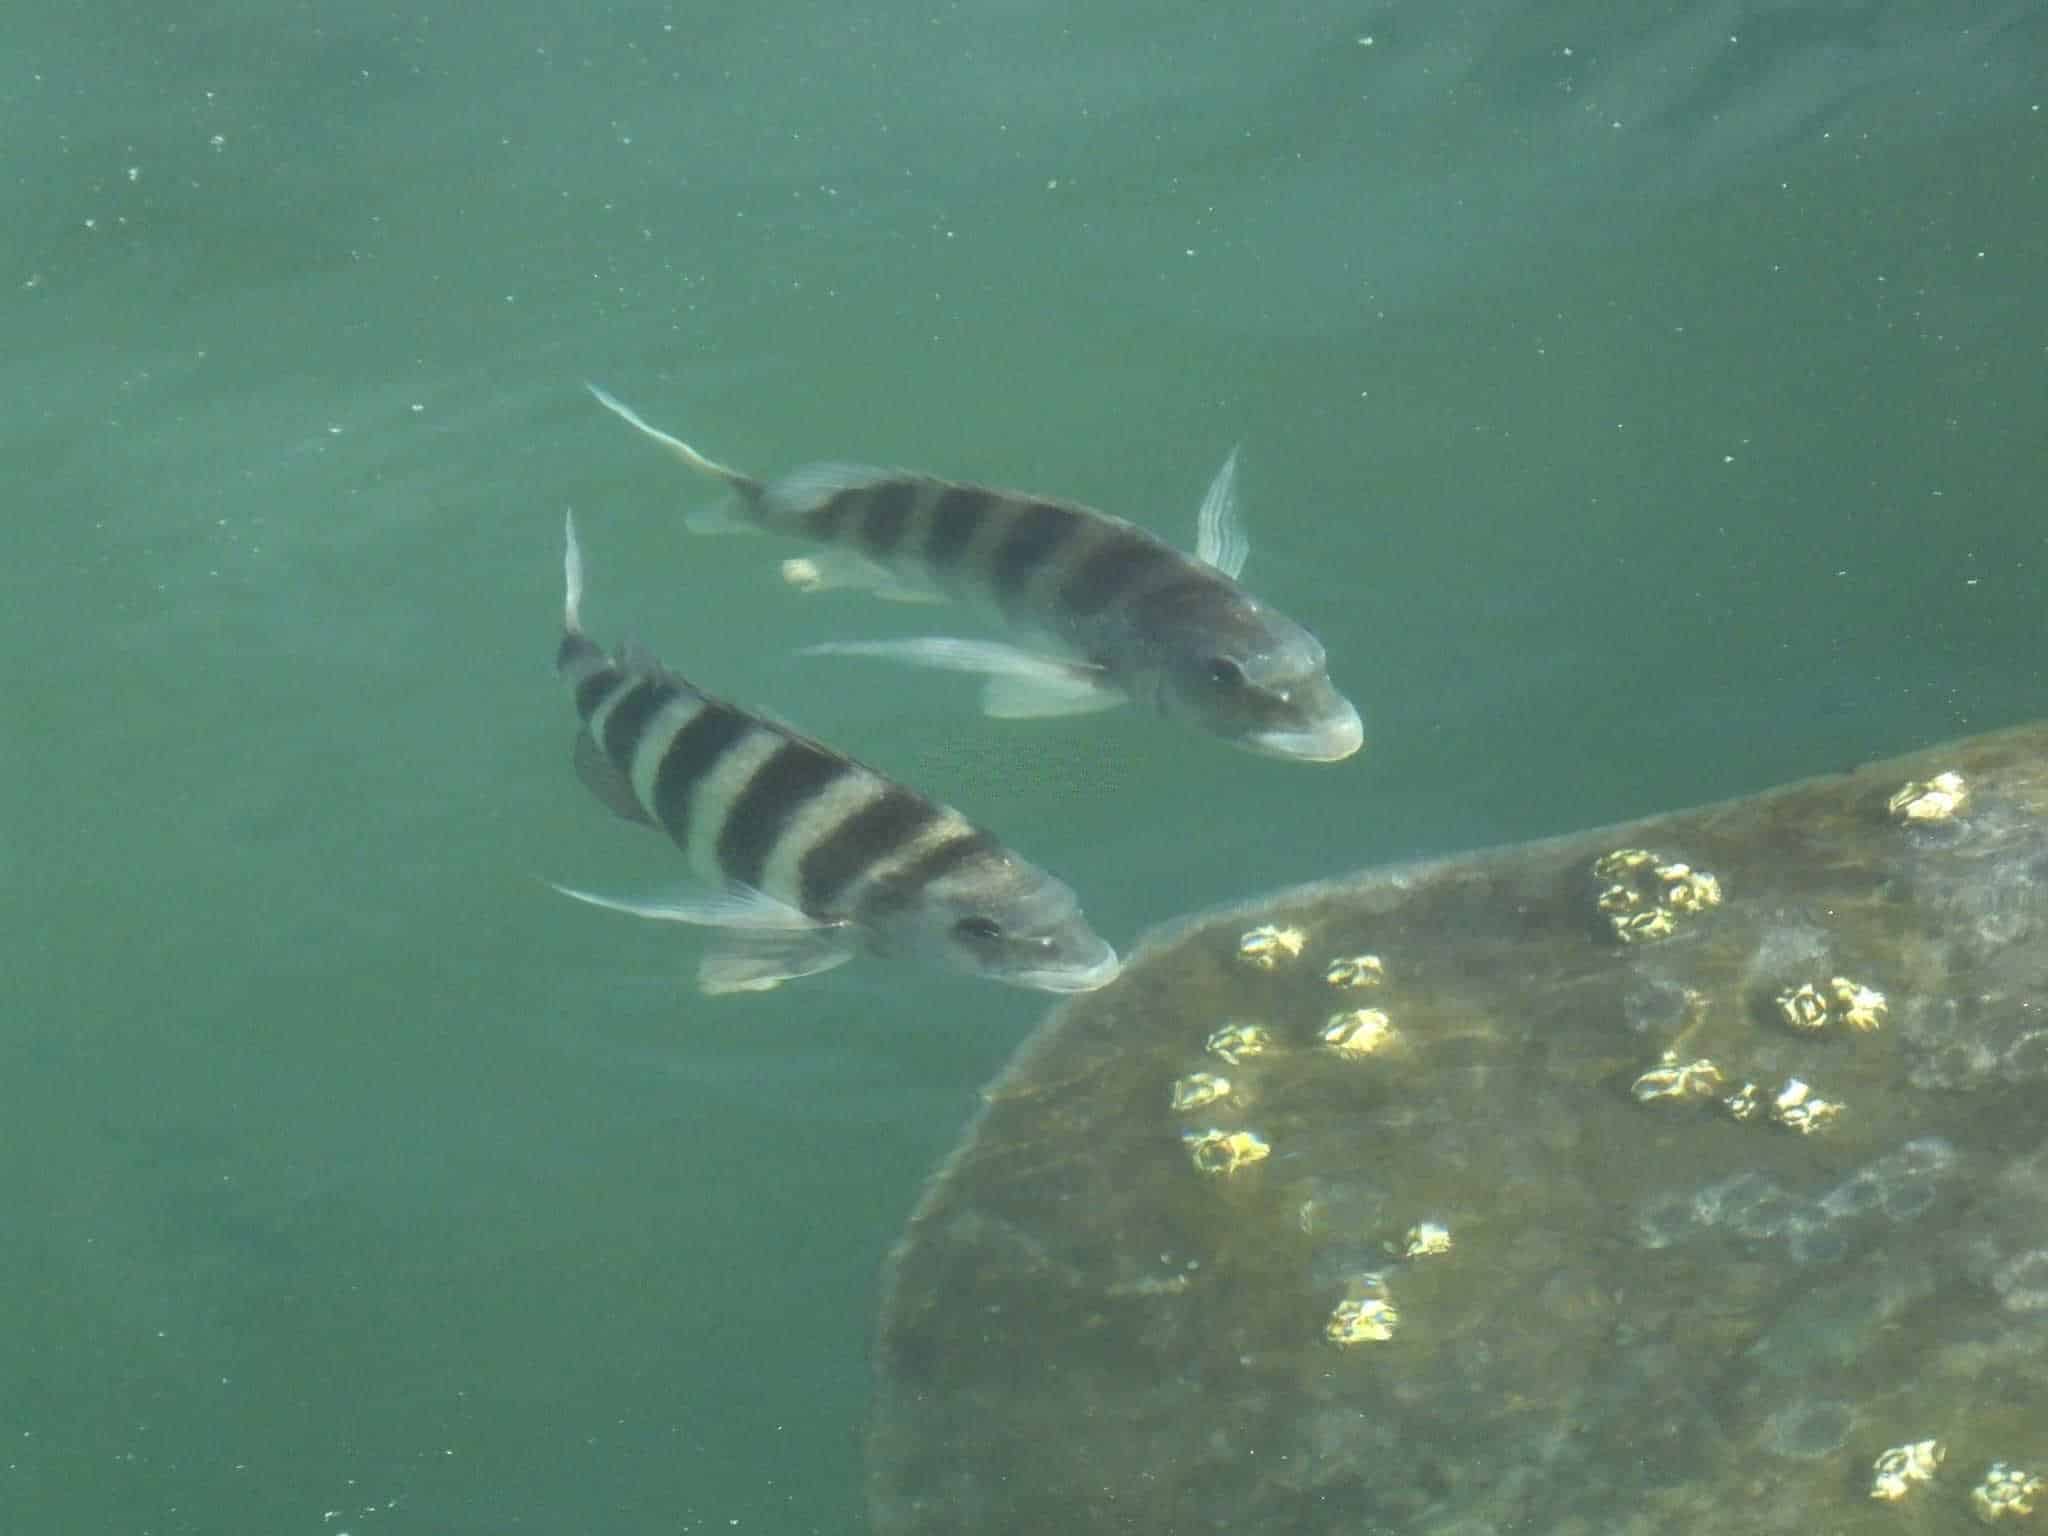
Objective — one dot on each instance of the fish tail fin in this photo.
(745, 486)
(572, 577)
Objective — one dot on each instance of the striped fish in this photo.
(806, 857)
(1107, 612)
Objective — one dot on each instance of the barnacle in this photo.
(1237, 1040)
(1619, 900)
(1935, 799)
(1803, 1007)
(1809, 1008)
(1360, 1032)
(1644, 927)
(1356, 971)
(1797, 1109)
(1858, 1006)
(1197, 1089)
(1674, 1079)
(1365, 1315)
(1685, 889)
(1224, 1152)
(1745, 1103)
(1622, 861)
(1269, 944)
(1426, 1239)
(1904, 1467)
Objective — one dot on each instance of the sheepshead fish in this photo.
(1108, 612)
(805, 856)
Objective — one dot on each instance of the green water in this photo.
(1645, 404)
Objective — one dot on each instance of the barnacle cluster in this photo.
(2005, 1490)
(1810, 1008)
(1645, 897)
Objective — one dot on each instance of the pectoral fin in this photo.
(1021, 684)
(1220, 539)
(739, 908)
(761, 961)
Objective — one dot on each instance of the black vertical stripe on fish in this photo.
(1039, 529)
(888, 822)
(961, 513)
(629, 716)
(1160, 604)
(900, 887)
(794, 775)
(830, 518)
(692, 753)
(886, 515)
(1117, 564)
(597, 687)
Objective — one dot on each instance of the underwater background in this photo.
(1645, 404)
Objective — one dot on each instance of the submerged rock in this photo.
(1688, 1175)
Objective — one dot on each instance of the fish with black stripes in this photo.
(805, 857)
(1107, 612)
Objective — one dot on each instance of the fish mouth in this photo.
(1331, 741)
(1097, 973)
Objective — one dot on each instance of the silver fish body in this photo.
(807, 856)
(1122, 613)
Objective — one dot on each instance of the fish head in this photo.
(999, 918)
(1257, 679)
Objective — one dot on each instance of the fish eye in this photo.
(1224, 672)
(978, 930)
